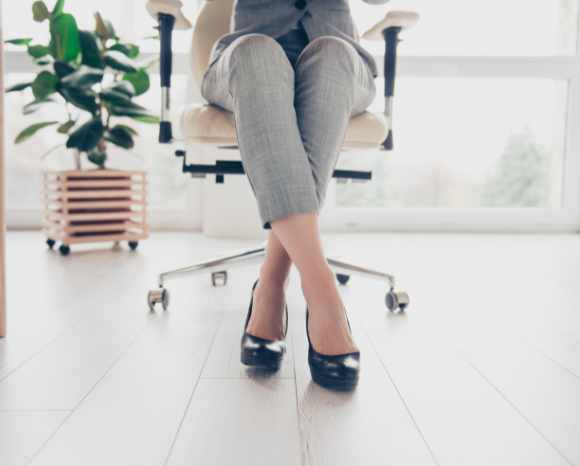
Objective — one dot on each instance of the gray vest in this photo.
(275, 18)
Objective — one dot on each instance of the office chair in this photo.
(210, 125)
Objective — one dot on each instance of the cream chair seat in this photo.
(206, 123)
(209, 124)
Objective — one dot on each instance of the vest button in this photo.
(300, 4)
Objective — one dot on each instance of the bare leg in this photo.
(267, 320)
(299, 235)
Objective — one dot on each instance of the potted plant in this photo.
(95, 76)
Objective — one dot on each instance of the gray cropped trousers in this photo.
(292, 100)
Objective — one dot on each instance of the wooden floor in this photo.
(484, 369)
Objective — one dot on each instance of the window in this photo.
(474, 149)
(485, 109)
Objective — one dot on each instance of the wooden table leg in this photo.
(2, 188)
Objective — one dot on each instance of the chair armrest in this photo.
(171, 8)
(169, 16)
(398, 19)
(387, 30)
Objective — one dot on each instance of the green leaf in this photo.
(119, 62)
(83, 77)
(43, 62)
(86, 137)
(97, 157)
(128, 128)
(121, 137)
(131, 112)
(58, 8)
(104, 29)
(125, 87)
(129, 50)
(23, 41)
(40, 11)
(33, 106)
(63, 69)
(80, 98)
(64, 37)
(128, 111)
(140, 81)
(44, 84)
(32, 130)
(120, 100)
(38, 51)
(18, 87)
(91, 55)
(65, 127)
(134, 50)
(147, 119)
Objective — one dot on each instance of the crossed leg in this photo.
(290, 125)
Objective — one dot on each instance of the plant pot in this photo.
(92, 206)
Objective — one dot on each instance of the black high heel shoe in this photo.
(261, 352)
(339, 372)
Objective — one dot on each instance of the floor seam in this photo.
(400, 395)
(193, 390)
(79, 403)
(518, 411)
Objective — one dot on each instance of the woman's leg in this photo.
(300, 236)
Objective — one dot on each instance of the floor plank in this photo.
(23, 432)
(61, 375)
(240, 421)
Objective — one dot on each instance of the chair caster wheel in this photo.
(342, 278)
(397, 301)
(133, 245)
(64, 249)
(219, 278)
(160, 295)
(50, 243)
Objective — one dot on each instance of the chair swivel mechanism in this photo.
(210, 125)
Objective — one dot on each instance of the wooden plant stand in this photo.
(93, 206)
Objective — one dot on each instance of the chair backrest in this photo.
(212, 22)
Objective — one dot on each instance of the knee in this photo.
(328, 52)
(259, 55)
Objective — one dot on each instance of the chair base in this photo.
(217, 267)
